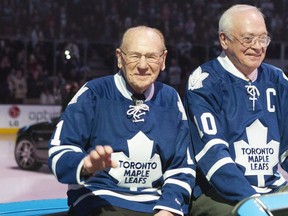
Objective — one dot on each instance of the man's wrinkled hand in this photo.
(99, 159)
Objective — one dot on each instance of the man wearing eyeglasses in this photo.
(238, 109)
(122, 143)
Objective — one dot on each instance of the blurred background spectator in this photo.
(18, 86)
(67, 93)
(54, 42)
(46, 97)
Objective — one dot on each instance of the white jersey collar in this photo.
(228, 65)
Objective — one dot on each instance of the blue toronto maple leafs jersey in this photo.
(150, 141)
(239, 128)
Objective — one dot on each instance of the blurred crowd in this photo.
(35, 33)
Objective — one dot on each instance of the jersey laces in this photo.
(253, 92)
(137, 111)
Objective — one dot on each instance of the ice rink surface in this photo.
(20, 185)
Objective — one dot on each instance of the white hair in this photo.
(226, 20)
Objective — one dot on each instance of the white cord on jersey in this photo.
(137, 111)
(253, 92)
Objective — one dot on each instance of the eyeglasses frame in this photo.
(143, 55)
(255, 39)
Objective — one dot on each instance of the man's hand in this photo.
(99, 159)
(165, 213)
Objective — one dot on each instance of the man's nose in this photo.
(142, 62)
(258, 44)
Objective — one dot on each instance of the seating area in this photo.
(55, 42)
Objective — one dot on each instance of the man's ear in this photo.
(118, 55)
(223, 39)
(163, 66)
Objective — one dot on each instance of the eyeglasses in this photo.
(249, 41)
(133, 57)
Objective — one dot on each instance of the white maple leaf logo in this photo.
(196, 79)
(257, 156)
(139, 170)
